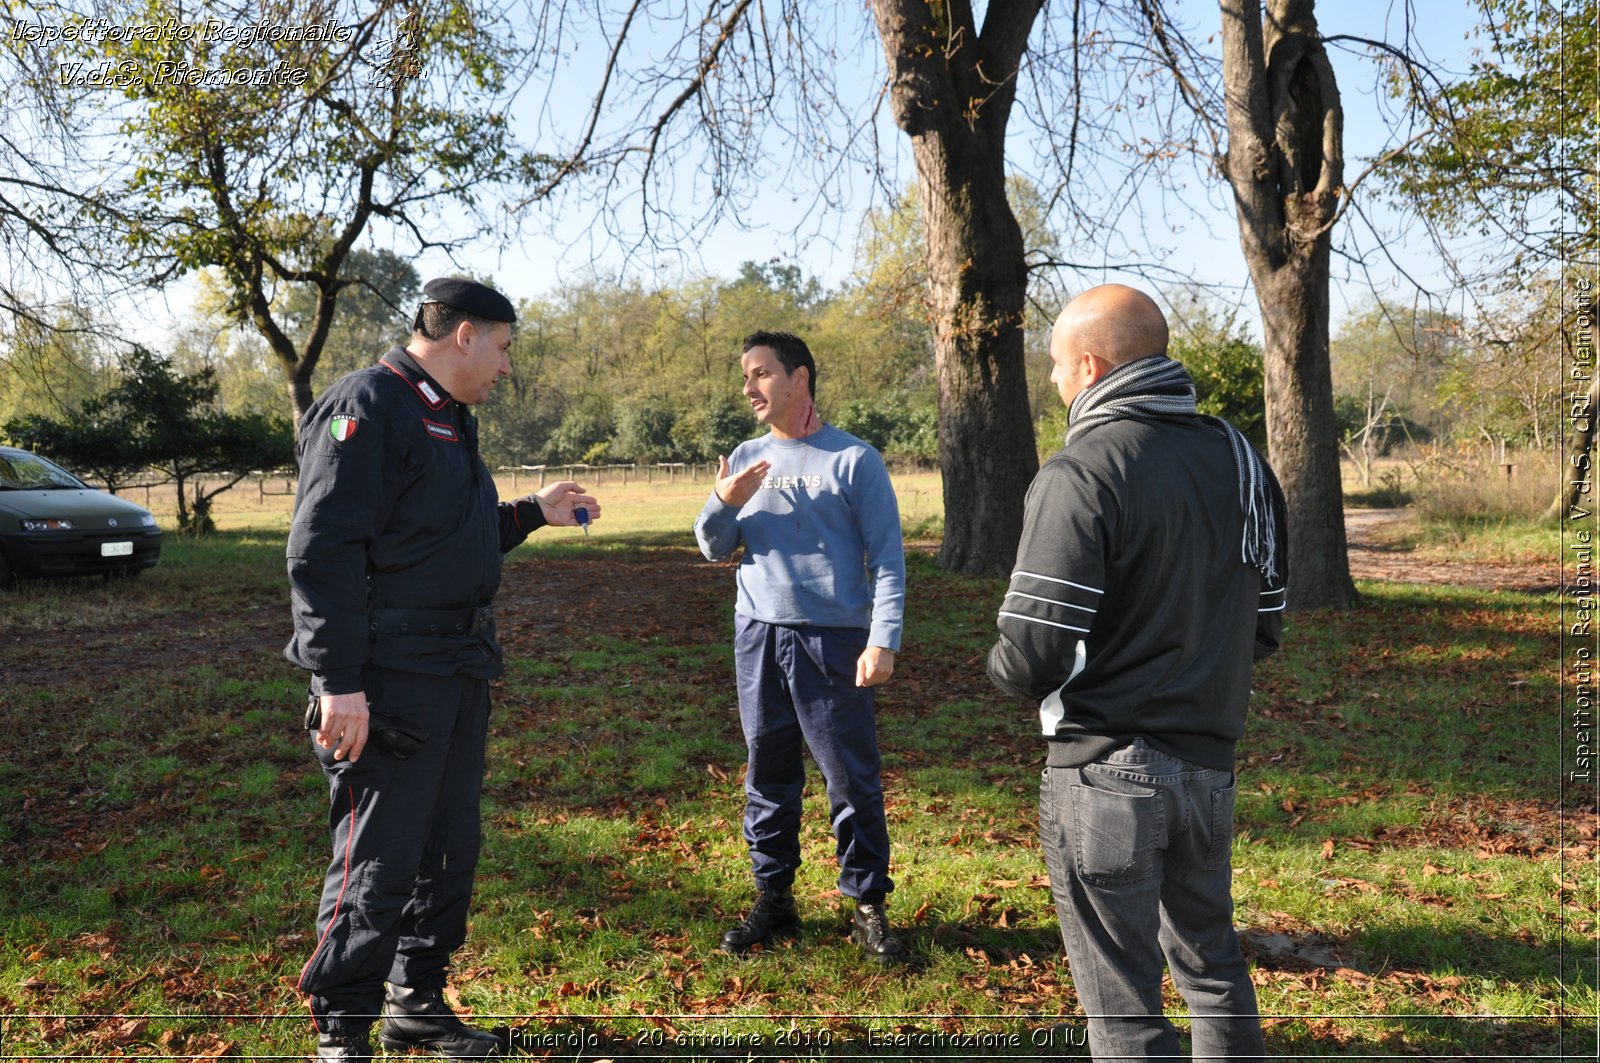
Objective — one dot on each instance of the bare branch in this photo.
(576, 158)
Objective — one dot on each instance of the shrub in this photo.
(915, 439)
(644, 433)
(1229, 381)
(1481, 492)
(701, 435)
(868, 422)
(900, 432)
(578, 432)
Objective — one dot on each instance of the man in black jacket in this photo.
(1151, 574)
(394, 560)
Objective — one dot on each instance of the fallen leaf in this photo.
(131, 1030)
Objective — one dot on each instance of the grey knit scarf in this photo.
(1160, 388)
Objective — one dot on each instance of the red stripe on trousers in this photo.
(349, 839)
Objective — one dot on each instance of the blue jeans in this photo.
(1138, 847)
(798, 683)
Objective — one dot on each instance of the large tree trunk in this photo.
(952, 89)
(1285, 163)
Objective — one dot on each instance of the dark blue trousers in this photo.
(405, 848)
(798, 684)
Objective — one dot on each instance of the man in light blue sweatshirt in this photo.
(816, 628)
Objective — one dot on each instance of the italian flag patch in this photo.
(342, 428)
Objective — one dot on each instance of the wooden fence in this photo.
(666, 472)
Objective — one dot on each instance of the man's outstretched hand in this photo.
(735, 489)
(559, 500)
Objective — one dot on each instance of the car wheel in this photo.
(7, 579)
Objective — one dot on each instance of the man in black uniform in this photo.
(394, 559)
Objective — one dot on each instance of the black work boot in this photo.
(419, 1018)
(773, 916)
(870, 929)
(343, 1048)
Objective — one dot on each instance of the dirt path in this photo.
(630, 593)
(1373, 556)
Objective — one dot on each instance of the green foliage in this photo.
(1509, 151)
(1352, 414)
(376, 309)
(156, 418)
(1500, 381)
(915, 438)
(272, 185)
(1226, 366)
(576, 436)
(50, 367)
(644, 433)
(703, 435)
(785, 279)
(904, 433)
(727, 425)
(1395, 356)
(97, 448)
(870, 422)
(891, 277)
(1050, 430)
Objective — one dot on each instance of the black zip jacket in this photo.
(1131, 612)
(398, 532)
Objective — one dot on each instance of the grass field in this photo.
(662, 507)
(1411, 878)
(666, 506)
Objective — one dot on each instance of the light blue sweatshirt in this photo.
(821, 536)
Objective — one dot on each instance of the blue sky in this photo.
(1193, 230)
(1202, 242)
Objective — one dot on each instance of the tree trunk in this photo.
(952, 89)
(1578, 472)
(183, 502)
(1302, 432)
(299, 397)
(977, 286)
(1285, 164)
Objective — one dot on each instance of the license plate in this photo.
(116, 549)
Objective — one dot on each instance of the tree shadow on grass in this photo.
(1430, 1038)
(1433, 960)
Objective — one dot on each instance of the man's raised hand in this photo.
(735, 489)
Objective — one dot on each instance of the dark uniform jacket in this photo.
(1131, 612)
(394, 553)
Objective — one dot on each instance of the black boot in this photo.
(419, 1018)
(343, 1048)
(870, 929)
(773, 916)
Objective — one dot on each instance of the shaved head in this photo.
(1113, 322)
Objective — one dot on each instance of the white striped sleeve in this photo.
(1056, 587)
(1035, 598)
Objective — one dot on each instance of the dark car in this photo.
(54, 524)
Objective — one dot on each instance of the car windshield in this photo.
(21, 471)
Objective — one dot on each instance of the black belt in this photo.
(431, 621)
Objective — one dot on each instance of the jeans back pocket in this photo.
(1115, 834)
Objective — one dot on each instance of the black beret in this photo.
(469, 297)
